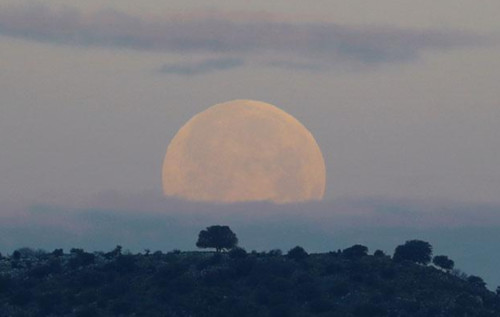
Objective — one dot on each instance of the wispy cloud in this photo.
(316, 43)
(205, 66)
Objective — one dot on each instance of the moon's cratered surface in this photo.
(244, 150)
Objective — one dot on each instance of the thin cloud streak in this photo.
(203, 67)
(221, 33)
(366, 213)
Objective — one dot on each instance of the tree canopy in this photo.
(297, 253)
(355, 252)
(443, 262)
(217, 237)
(415, 251)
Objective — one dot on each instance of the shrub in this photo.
(443, 262)
(476, 280)
(355, 252)
(297, 253)
(80, 258)
(416, 251)
(58, 252)
(238, 253)
(275, 252)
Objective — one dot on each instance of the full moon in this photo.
(244, 150)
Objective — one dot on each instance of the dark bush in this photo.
(58, 252)
(297, 253)
(443, 262)
(126, 263)
(415, 251)
(476, 281)
(355, 252)
(275, 252)
(379, 254)
(217, 237)
(238, 253)
(80, 258)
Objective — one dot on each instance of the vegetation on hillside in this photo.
(350, 282)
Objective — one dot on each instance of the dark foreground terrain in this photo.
(348, 283)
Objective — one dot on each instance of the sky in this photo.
(401, 96)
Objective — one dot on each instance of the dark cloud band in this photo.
(202, 67)
(314, 42)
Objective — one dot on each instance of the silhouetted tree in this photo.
(355, 252)
(275, 252)
(379, 253)
(217, 237)
(476, 280)
(415, 251)
(298, 253)
(443, 262)
(58, 252)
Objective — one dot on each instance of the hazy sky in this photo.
(402, 97)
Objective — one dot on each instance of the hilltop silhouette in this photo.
(348, 282)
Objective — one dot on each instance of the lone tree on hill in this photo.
(415, 251)
(217, 237)
(443, 262)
